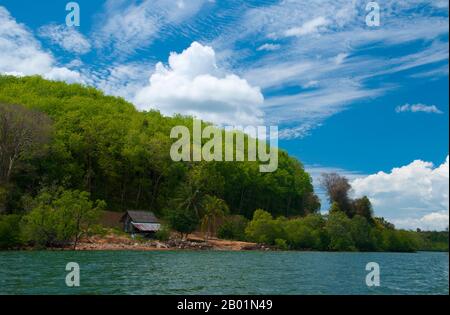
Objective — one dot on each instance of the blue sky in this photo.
(347, 97)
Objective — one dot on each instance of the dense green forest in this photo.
(103, 145)
(68, 151)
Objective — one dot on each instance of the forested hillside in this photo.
(104, 146)
(68, 151)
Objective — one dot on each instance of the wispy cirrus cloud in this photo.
(310, 59)
(330, 45)
(66, 37)
(309, 27)
(125, 27)
(418, 108)
(269, 47)
(301, 113)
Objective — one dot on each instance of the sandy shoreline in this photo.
(194, 242)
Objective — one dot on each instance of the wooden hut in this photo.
(140, 222)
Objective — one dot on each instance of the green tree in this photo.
(335, 208)
(59, 217)
(399, 241)
(301, 236)
(264, 229)
(363, 207)
(182, 220)
(381, 223)
(214, 211)
(339, 229)
(361, 233)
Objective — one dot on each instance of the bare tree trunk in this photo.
(138, 197)
(155, 191)
(75, 242)
(78, 234)
(10, 167)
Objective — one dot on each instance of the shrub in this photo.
(9, 231)
(233, 228)
(3, 198)
(163, 234)
(300, 236)
(264, 229)
(98, 229)
(399, 241)
(281, 244)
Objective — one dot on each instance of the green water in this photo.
(208, 272)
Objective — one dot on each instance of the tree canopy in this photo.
(104, 146)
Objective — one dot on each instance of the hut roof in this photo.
(147, 227)
(142, 216)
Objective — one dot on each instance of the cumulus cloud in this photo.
(416, 108)
(66, 37)
(415, 195)
(435, 221)
(192, 84)
(21, 54)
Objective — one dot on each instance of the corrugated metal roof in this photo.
(147, 227)
(142, 216)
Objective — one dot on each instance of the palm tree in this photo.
(214, 210)
(189, 198)
(189, 202)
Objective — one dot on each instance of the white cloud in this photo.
(340, 58)
(272, 75)
(309, 27)
(435, 221)
(66, 37)
(123, 80)
(128, 26)
(335, 55)
(415, 108)
(21, 54)
(63, 74)
(268, 47)
(432, 74)
(415, 195)
(311, 84)
(441, 4)
(308, 109)
(192, 84)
